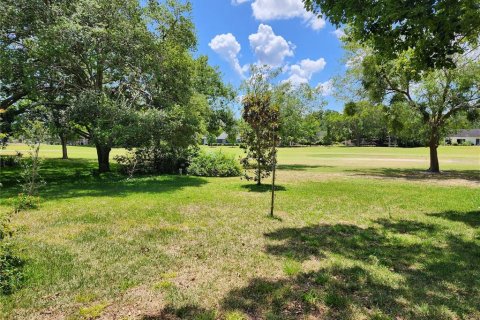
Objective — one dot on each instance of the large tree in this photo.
(437, 95)
(297, 103)
(81, 53)
(436, 30)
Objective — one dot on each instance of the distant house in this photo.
(221, 139)
(471, 136)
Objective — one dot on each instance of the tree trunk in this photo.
(433, 145)
(103, 154)
(63, 140)
(274, 165)
(259, 174)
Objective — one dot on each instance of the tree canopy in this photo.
(435, 30)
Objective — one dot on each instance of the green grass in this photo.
(362, 233)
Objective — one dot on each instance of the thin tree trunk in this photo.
(259, 174)
(63, 140)
(433, 145)
(274, 165)
(103, 154)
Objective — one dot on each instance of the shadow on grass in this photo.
(74, 178)
(396, 269)
(262, 187)
(300, 167)
(374, 272)
(471, 219)
(189, 312)
(415, 174)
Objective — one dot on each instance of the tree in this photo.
(208, 82)
(435, 30)
(296, 103)
(437, 95)
(366, 122)
(74, 53)
(260, 114)
(61, 125)
(333, 124)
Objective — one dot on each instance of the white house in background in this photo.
(221, 139)
(464, 136)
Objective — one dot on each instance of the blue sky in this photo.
(236, 33)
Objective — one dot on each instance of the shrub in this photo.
(10, 265)
(214, 164)
(25, 202)
(158, 159)
(10, 160)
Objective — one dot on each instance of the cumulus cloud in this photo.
(227, 46)
(265, 10)
(339, 33)
(268, 47)
(325, 88)
(303, 71)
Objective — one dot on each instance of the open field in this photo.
(360, 233)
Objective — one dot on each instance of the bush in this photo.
(151, 160)
(214, 164)
(25, 202)
(10, 265)
(10, 160)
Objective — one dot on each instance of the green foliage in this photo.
(34, 132)
(214, 164)
(297, 120)
(10, 270)
(261, 117)
(24, 202)
(95, 64)
(10, 265)
(436, 96)
(10, 160)
(292, 267)
(436, 29)
(366, 122)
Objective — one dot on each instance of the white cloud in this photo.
(227, 46)
(325, 88)
(339, 33)
(303, 71)
(237, 2)
(265, 10)
(269, 48)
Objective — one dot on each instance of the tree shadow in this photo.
(189, 312)
(471, 218)
(300, 167)
(262, 187)
(75, 178)
(415, 174)
(395, 269)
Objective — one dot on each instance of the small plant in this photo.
(311, 297)
(10, 265)
(292, 267)
(25, 202)
(93, 311)
(336, 301)
(214, 164)
(35, 133)
(235, 315)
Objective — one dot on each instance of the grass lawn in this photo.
(360, 233)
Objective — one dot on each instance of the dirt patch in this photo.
(418, 177)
